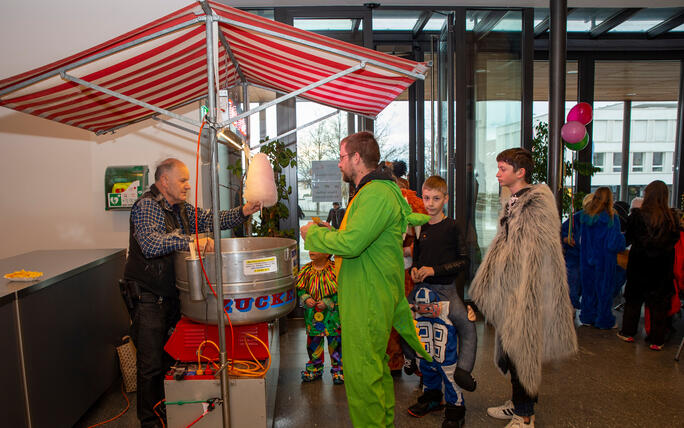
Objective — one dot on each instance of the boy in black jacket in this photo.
(439, 256)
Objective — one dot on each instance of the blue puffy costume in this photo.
(448, 336)
(572, 258)
(601, 240)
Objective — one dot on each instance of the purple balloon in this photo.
(581, 113)
(573, 132)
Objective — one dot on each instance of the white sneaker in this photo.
(519, 422)
(505, 411)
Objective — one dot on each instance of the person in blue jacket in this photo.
(571, 251)
(601, 240)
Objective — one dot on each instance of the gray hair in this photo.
(165, 166)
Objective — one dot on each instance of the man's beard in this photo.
(347, 179)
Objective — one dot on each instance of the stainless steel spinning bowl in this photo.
(258, 280)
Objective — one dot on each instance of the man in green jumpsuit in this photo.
(370, 279)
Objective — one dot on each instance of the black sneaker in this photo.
(430, 401)
(454, 416)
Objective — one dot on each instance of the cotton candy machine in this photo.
(258, 281)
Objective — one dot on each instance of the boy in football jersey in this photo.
(442, 321)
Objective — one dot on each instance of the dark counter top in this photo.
(56, 265)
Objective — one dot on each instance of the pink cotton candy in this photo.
(260, 183)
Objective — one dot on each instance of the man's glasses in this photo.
(348, 154)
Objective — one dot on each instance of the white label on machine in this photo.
(259, 266)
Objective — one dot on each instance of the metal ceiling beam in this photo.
(612, 22)
(543, 26)
(673, 21)
(421, 22)
(488, 23)
(356, 24)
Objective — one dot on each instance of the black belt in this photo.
(149, 297)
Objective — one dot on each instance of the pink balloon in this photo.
(573, 132)
(580, 113)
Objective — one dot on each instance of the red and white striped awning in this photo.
(164, 64)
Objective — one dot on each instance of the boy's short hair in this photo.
(436, 182)
(518, 158)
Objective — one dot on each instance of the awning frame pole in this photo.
(131, 100)
(211, 40)
(236, 64)
(292, 131)
(108, 52)
(151, 116)
(322, 47)
(293, 94)
(266, 88)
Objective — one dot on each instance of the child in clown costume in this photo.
(317, 292)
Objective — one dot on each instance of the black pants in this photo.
(658, 309)
(522, 401)
(153, 322)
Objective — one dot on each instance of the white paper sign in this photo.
(325, 181)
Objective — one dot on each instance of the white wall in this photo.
(53, 174)
(53, 180)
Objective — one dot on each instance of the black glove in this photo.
(464, 379)
(410, 366)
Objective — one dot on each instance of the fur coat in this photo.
(521, 287)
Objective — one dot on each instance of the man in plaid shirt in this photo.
(161, 223)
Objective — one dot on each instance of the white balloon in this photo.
(260, 183)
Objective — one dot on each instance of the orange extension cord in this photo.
(128, 405)
(242, 368)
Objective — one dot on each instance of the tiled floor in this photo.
(609, 383)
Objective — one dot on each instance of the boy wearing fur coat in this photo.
(521, 287)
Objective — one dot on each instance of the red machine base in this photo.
(188, 336)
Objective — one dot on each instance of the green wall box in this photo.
(123, 185)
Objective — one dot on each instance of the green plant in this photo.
(280, 157)
(540, 152)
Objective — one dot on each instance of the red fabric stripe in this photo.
(265, 23)
(154, 101)
(354, 82)
(100, 98)
(120, 119)
(167, 21)
(104, 72)
(113, 102)
(195, 77)
(153, 70)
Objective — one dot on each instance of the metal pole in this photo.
(432, 105)
(324, 48)
(624, 170)
(129, 99)
(245, 107)
(559, 10)
(211, 120)
(527, 58)
(292, 131)
(678, 179)
(292, 94)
